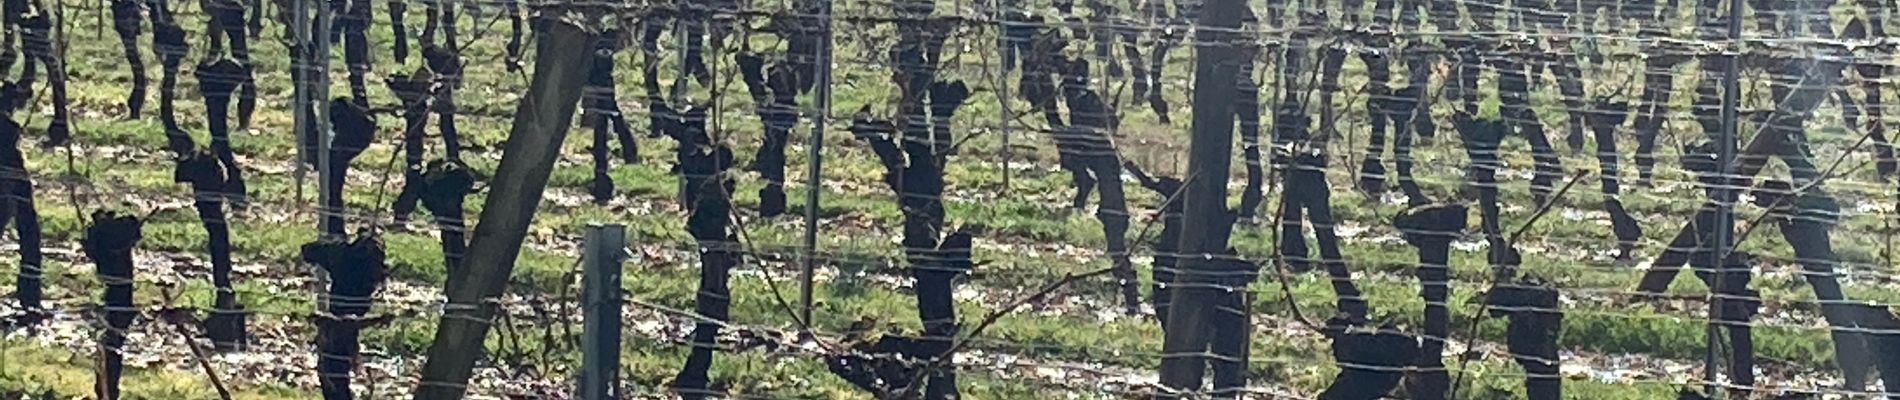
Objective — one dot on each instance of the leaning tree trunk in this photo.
(1871, 73)
(1563, 63)
(18, 206)
(1658, 85)
(1403, 110)
(1378, 110)
(1882, 343)
(109, 242)
(1431, 229)
(216, 81)
(1806, 221)
(356, 270)
(1306, 188)
(126, 21)
(226, 325)
(1807, 83)
(542, 119)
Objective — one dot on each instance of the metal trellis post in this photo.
(1726, 196)
(605, 250)
(821, 109)
(300, 35)
(319, 95)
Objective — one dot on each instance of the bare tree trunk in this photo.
(1871, 72)
(1207, 222)
(1372, 168)
(228, 18)
(1481, 140)
(447, 185)
(1658, 85)
(541, 121)
(1808, 82)
(354, 129)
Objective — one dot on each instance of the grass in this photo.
(1029, 239)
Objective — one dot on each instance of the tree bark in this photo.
(1207, 222)
(534, 143)
(1431, 229)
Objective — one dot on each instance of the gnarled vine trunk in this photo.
(356, 270)
(126, 21)
(109, 242)
(18, 207)
(226, 324)
(216, 80)
(1431, 229)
